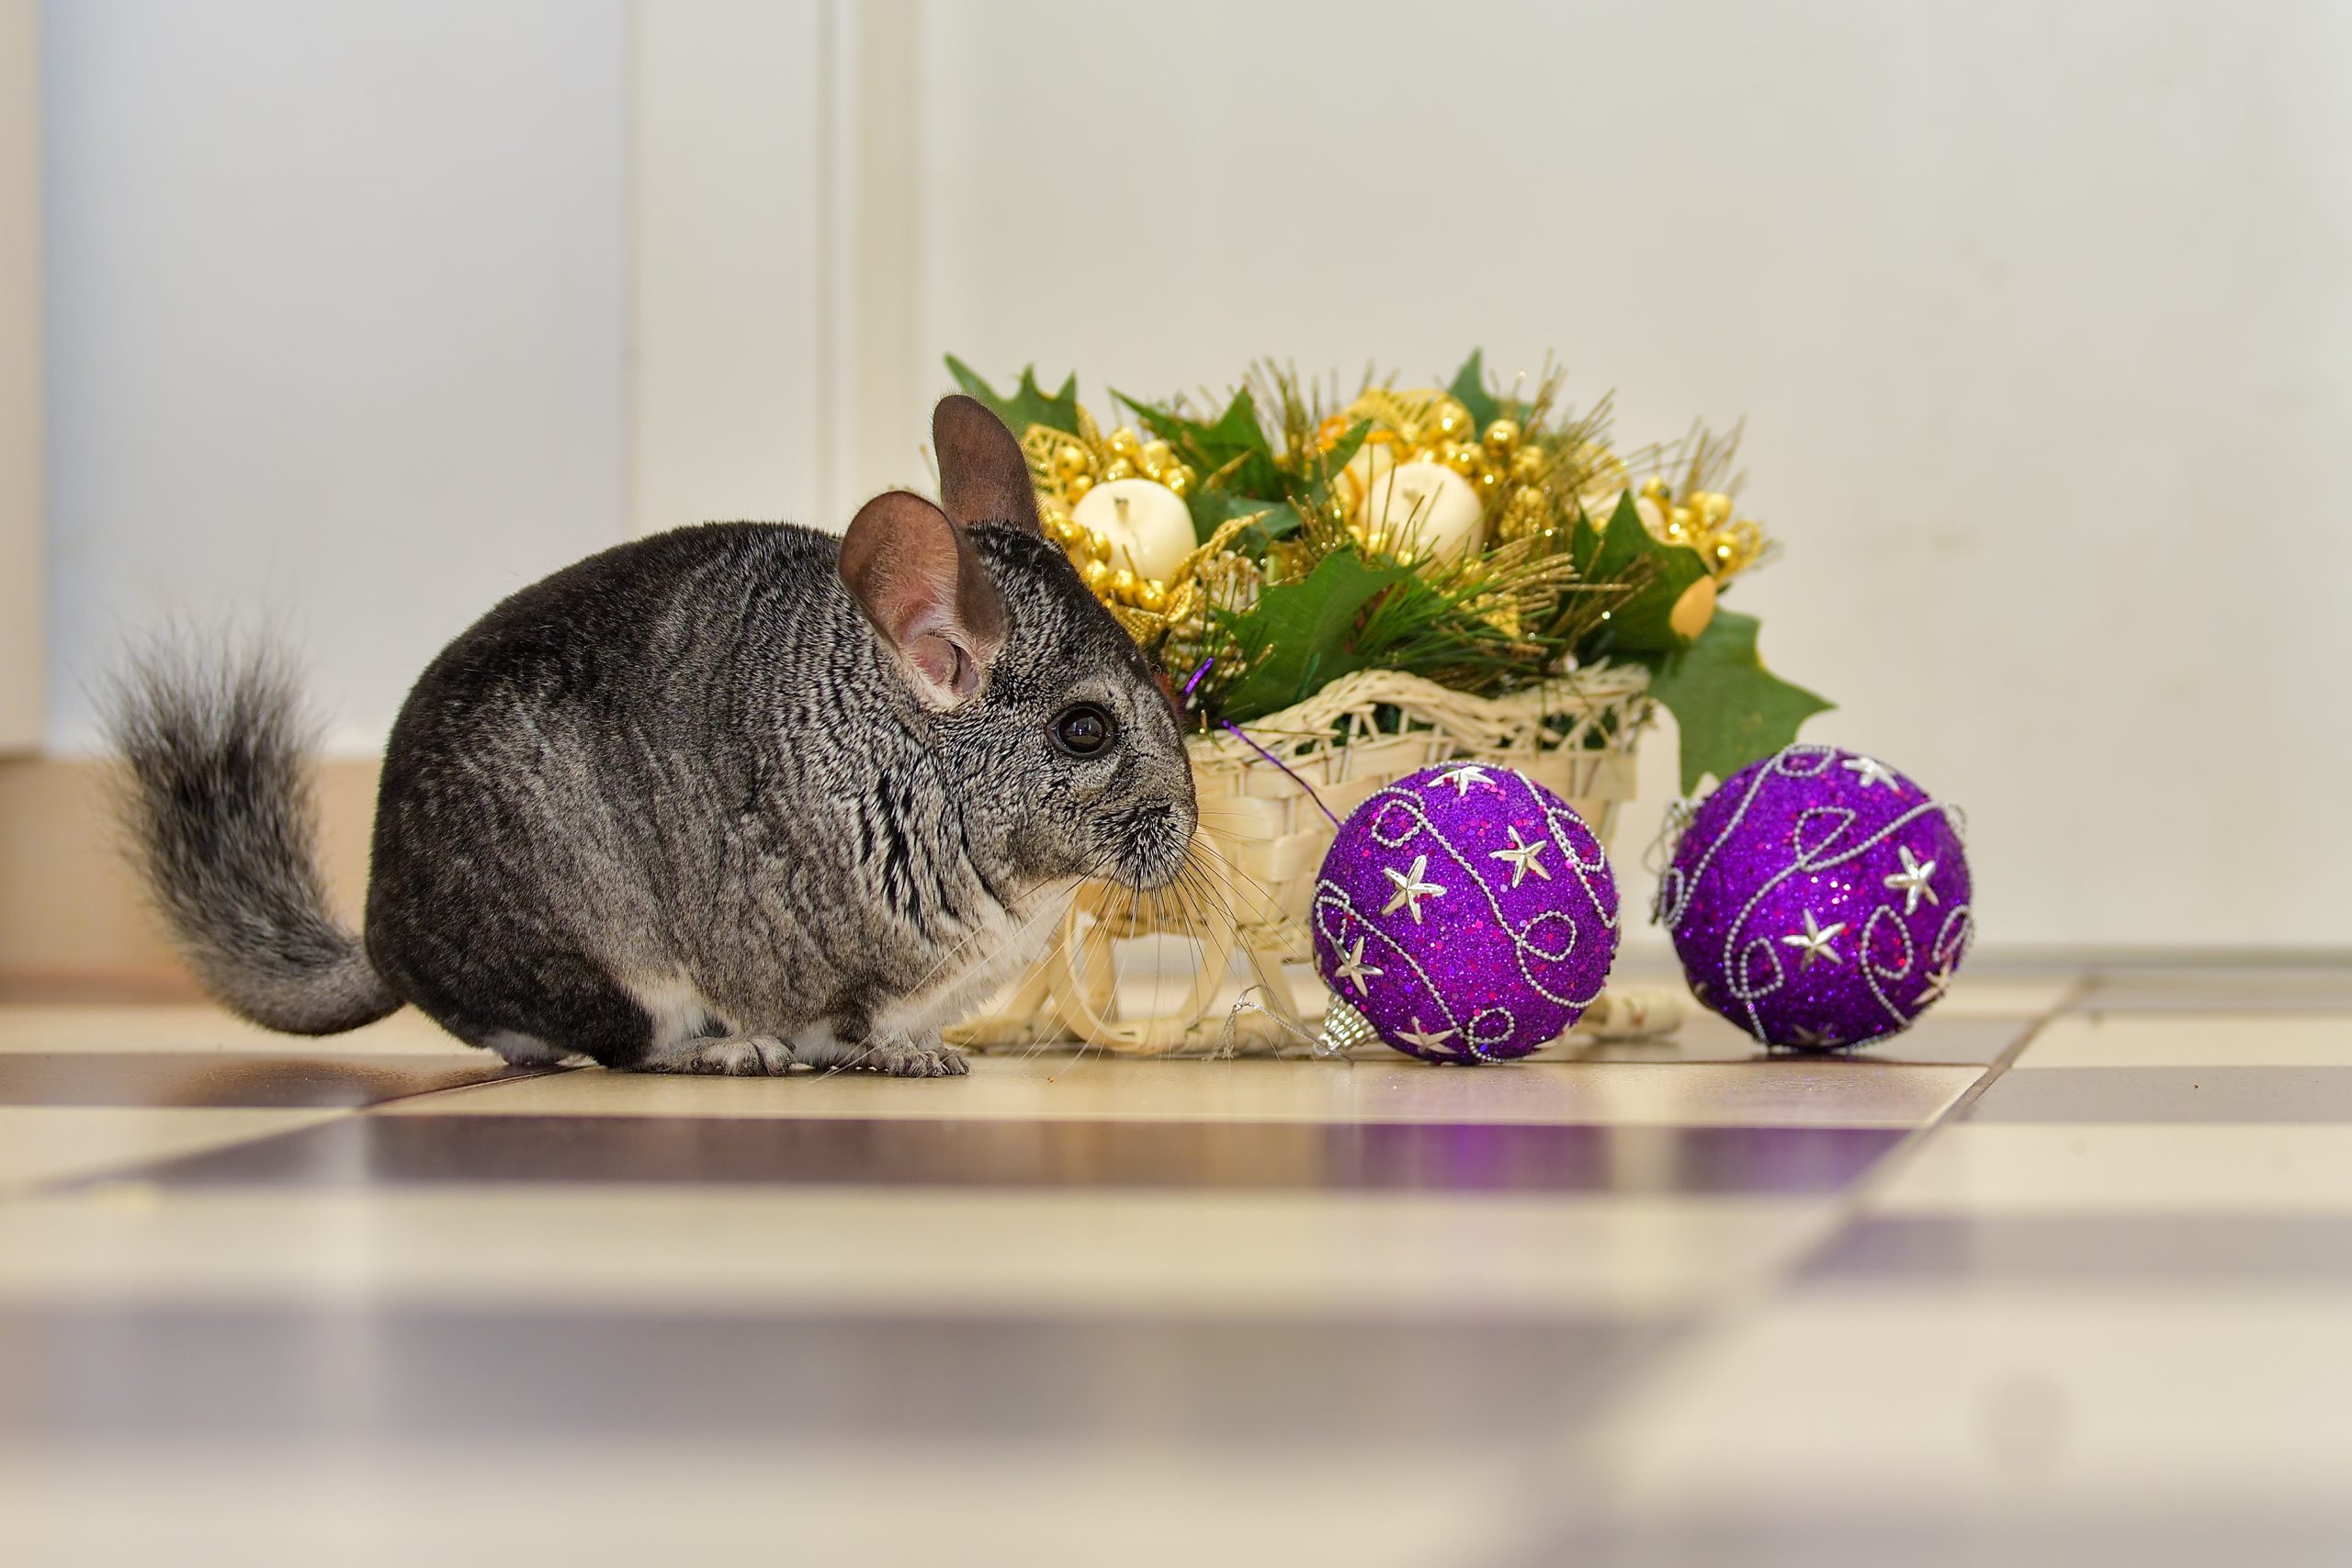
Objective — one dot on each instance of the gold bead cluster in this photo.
(1080, 464)
(1091, 552)
(1506, 468)
(1702, 520)
(1419, 428)
(1067, 465)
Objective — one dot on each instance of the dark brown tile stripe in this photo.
(1939, 1252)
(2168, 1094)
(323, 1375)
(1187, 1154)
(233, 1079)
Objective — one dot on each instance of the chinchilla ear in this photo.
(919, 581)
(983, 477)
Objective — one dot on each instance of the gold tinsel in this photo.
(1531, 468)
(1065, 464)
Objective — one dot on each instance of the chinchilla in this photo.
(721, 800)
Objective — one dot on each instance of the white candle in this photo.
(1373, 463)
(1149, 527)
(1428, 509)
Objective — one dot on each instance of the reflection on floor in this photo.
(2062, 1275)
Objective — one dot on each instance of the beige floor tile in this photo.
(587, 1507)
(2036, 1169)
(1997, 994)
(199, 1028)
(1252, 1256)
(2192, 1040)
(2287, 986)
(2005, 996)
(45, 1142)
(1792, 1092)
(1836, 1400)
(202, 1027)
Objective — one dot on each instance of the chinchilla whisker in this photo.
(1202, 845)
(1096, 932)
(1093, 869)
(1203, 897)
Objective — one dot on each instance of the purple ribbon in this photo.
(1193, 683)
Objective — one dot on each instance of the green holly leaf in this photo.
(1300, 636)
(1469, 390)
(1212, 509)
(1324, 467)
(1234, 444)
(1028, 405)
(1731, 709)
(1641, 624)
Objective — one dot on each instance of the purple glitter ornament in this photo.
(1819, 900)
(1466, 913)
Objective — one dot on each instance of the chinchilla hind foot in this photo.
(735, 1056)
(893, 1053)
(903, 1058)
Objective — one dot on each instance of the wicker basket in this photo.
(1267, 838)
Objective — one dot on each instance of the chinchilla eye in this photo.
(1083, 729)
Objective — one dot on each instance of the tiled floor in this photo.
(2063, 1275)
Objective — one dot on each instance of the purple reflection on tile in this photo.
(1157, 1154)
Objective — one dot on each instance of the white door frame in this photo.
(774, 184)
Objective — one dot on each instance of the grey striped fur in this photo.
(687, 804)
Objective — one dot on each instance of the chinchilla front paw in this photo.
(902, 1057)
(742, 1056)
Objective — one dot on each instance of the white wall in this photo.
(731, 342)
(335, 323)
(2038, 312)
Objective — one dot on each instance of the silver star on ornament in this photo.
(1422, 1039)
(1522, 858)
(1938, 982)
(1872, 772)
(1911, 882)
(1464, 776)
(1353, 969)
(1814, 939)
(1411, 889)
(1814, 1038)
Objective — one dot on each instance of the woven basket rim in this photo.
(1310, 722)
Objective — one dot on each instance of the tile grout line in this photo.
(124, 1171)
(1576, 1455)
(1853, 1201)
(127, 1169)
(514, 1075)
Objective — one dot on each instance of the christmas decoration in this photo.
(1819, 900)
(1382, 577)
(1465, 914)
(1484, 538)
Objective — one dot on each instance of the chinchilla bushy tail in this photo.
(221, 823)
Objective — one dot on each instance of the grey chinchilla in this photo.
(721, 800)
